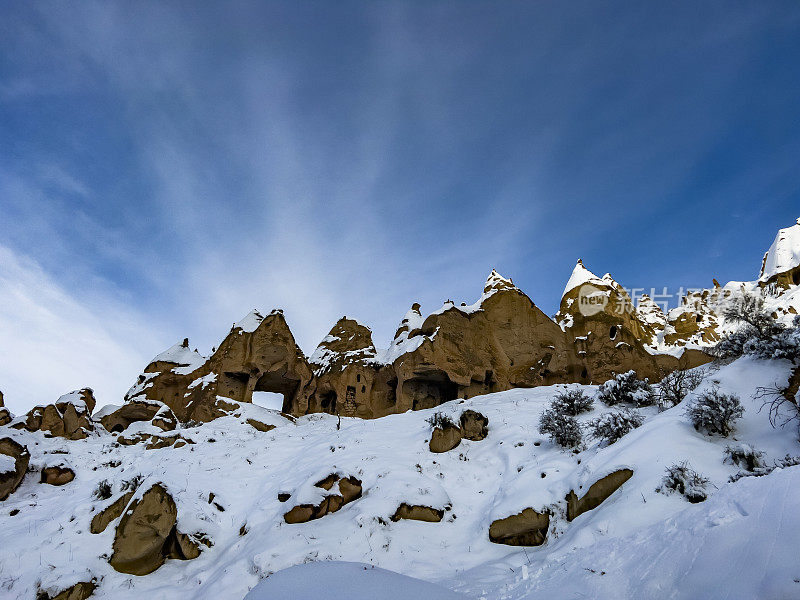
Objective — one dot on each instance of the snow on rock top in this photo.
(250, 322)
(496, 282)
(75, 398)
(784, 254)
(581, 275)
(7, 464)
(182, 356)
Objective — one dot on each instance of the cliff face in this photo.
(500, 342)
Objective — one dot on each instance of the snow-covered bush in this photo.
(760, 333)
(133, 483)
(715, 412)
(681, 478)
(572, 402)
(626, 388)
(745, 456)
(675, 386)
(611, 426)
(440, 420)
(103, 490)
(786, 461)
(562, 428)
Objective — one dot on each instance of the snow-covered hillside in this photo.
(638, 543)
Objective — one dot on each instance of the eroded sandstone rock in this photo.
(68, 417)
(12, 476)
(418, 512)
(111, 513)
(259, 425)
(596, 494)
(79, 591)
(57, 475)
(444, 438)
(349, 489)
(474, 426)
(5, 415)
(528, 528)
(146, 535)
(132, 412)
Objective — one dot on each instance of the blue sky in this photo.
(165, 167)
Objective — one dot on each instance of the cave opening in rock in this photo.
(277, 382)
(796, 277)
(612, 333)
(328, 402)
(429, 390)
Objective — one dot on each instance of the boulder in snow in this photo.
(417, 512)
(13, 466)
(474, 426)
(528, 528)
(147, 535)
(57, 475)
(596, 494)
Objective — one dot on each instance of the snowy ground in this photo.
(637, 544)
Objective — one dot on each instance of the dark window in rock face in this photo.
(584, 374)
(358, 377)
(328, 402)
(796, 277)
(612, 333)
(363, 389)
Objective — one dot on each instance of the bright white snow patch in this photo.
(784, 254)
(185, 359)
(354, 581)
(580, 275)
(7, 464)
(271, 400)
(250, 322)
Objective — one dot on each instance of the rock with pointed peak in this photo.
(781, 264)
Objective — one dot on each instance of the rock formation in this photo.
(69, 417)
(60, 474)
(259, 354)
(15, 458)
(444, 438)
(528, 528)
(416, 512)
(596, 494)
(781, 265)
(347, 489)
(5, 415)
(79, 591)
(612, 334)
(502, 341)
(146, 535)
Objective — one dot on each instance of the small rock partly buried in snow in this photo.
(349, 489)
(260, 426)
(79, 591)
(57, 475)
(528, 528)
(596, 494)
(284, 496)
(146, 535)
(12, 477)
(474, 426)
(445, 438)
(112, 512)
(418, 512)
